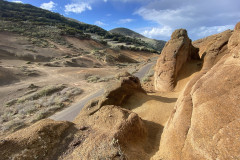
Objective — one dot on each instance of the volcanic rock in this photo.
(175, 54)
(205, 123)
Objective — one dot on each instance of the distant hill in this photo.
(155, 44)
(35, 22)
(126, 32)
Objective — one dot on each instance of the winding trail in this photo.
(71, 112)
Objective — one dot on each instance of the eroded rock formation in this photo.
(205, 123)
(213, 48)
(116, 94)
(175, 54)
(116, 133)
(103, 130)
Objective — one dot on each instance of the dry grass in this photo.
(147, 77)
(35, 105)
(96, 78)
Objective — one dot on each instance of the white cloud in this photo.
(99, 23)
(175, 17)
(17, 1)
(105, 0)
(204, 31)
(200, 18)
(77, 7)
(123, 21)
(158, 32)
(48, 6)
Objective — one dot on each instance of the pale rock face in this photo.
(205, 123)
(175, 54)
(213, 48)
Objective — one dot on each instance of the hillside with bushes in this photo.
(35, 22)
(152, 43)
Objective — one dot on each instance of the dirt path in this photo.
(71, 112)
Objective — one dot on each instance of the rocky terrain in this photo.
(200, 122)
(187, 109)
(48, 62)
(205, 121)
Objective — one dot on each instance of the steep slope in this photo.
(205, 121)
(43, 35)
(26, 20)
(156, 44)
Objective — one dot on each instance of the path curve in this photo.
(71, 112)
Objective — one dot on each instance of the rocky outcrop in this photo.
(213, 48)
(103, 130)
(116, 133)
(175, 54)
(205, 123)
(116, 94)
(43, 140)
(119, 133)
(234, 42)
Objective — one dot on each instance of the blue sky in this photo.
(152, 18)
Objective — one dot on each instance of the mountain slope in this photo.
(26, 19)
(156, 44)
(126, 32)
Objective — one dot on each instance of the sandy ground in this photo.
(23, 64)
(156, 107)
(72, 76)
(16, 74)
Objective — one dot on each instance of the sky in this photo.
(152, 18)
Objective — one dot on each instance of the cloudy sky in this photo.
(152, 18)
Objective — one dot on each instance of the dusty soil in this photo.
(156, 107)
(80, 66)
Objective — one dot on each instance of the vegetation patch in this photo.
(35, 105)
(147, 77)
(42, 25)
(96, 78)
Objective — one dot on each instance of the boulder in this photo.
(205, 123)
(116, 133)
(177, 51)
